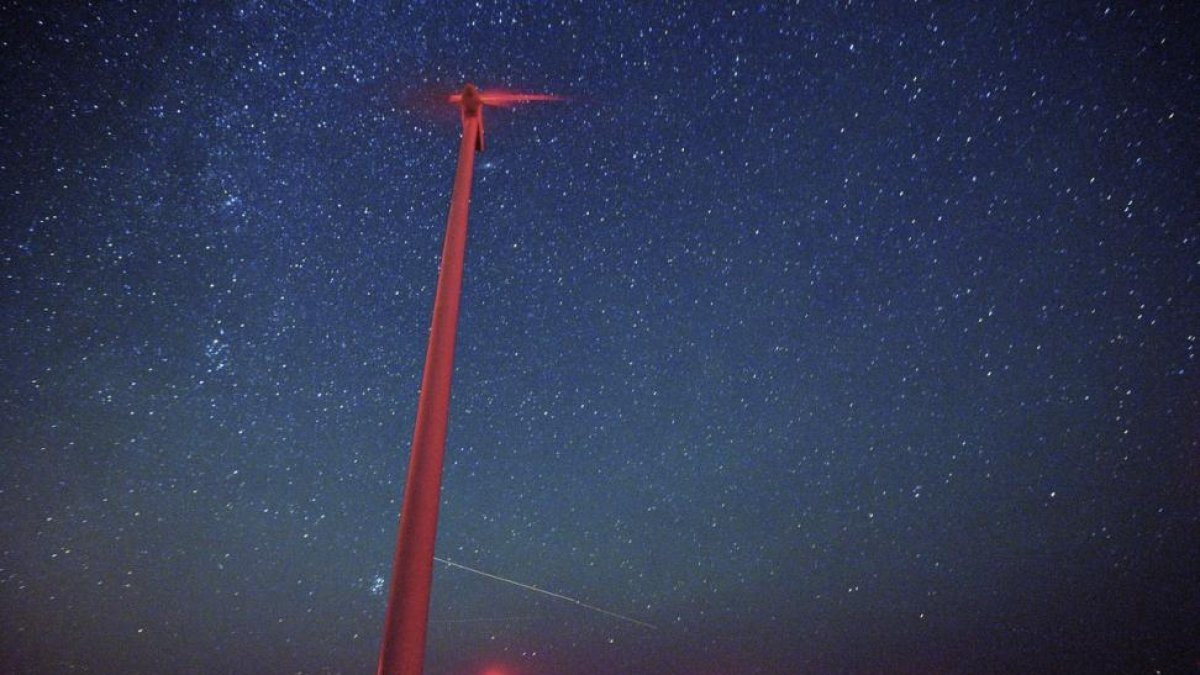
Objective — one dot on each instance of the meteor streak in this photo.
(543, 591)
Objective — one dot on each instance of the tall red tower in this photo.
(402, 651)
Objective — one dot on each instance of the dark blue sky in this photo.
(839, 337)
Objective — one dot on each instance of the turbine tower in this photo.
(402, 651)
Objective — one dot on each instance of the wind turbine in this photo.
(402, 651)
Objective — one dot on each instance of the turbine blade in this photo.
(507, 98)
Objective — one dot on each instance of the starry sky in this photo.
(827, 337)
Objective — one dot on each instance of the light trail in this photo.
(543, 591)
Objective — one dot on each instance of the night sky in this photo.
(831, 338)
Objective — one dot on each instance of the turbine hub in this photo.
(471, 101)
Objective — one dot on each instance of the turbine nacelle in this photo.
(471, 101)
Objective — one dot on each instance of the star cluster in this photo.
(826, 337)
